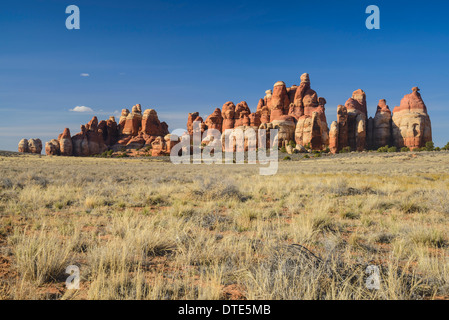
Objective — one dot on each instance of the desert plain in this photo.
(144, 228)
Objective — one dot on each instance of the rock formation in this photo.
(30, 146)
(411, 125)
(170, 141)
(190, 119)
(267, 99)
(151, 126)
(260, 105)
(297, 112)
(228, 112)
(122, 120)
(94, 137)
(52, 148)
(110, 136)
(241, 115)
(65, 143)
(134, 131)
(215, 120)
(158, 147)
(279, 101)
(342, 120)
(321, 110)
(357, 103)
(381, 126)
(35, 146)
(286, 126)
(309, 111)
(357, 120)
(80, 143)
(254, 119)
(23, 146)
(300, 115)
(309, 132)
(133, 121)
(264, 115)
(333, 137)
(136, 142)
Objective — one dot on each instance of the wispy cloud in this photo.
(85, 75)
(172, 116)
(82, 109)
(101, 112)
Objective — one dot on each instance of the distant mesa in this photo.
(297, 112)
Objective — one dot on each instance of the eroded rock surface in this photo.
(411, 126)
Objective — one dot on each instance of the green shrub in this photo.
(430, 146)
(306, 156)
(287, 158)
(446, 147)
(393, 149)
(283, 150)
(345, 150)
(292, 144)
(405, 149)
(106, 154)
(317, 155)
(383, 149)
(437, 149)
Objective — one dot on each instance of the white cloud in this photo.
(179, 132)
(84, 75)
(171, 115)
(81, 109)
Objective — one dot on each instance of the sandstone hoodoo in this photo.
(52, 148)
(215, 120)
(411, 125)
(65, 143)
(308, 109)
(30, 146)
(355, 122)
(23, 146)
(228, 112)
(134, 131)
(379, 128)
(299, 115)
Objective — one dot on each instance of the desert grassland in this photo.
(148, 229)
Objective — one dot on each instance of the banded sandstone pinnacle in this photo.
(297, 112)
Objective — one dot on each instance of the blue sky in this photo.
(186, 56)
